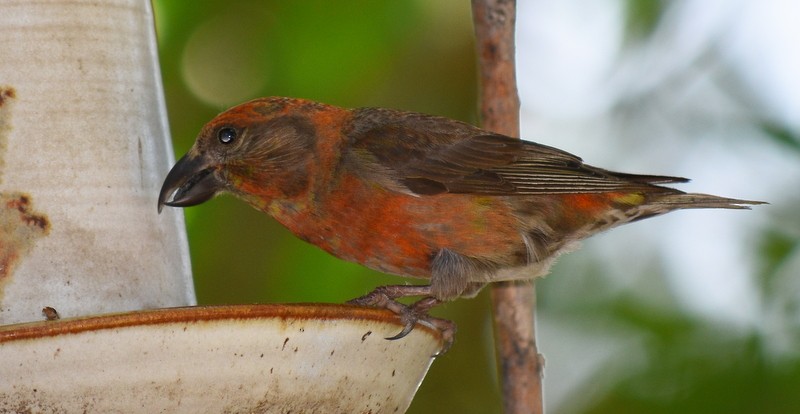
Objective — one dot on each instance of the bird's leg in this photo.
(382, 296)
(386, 297)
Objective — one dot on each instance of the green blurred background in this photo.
(420, 55)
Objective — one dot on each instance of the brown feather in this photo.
(431, 155)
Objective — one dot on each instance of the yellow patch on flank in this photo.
(485, 201)
(633, 199)
(480, 220)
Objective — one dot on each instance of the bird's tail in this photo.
(662, 203)
(676, 201)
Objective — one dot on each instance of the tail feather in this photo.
(697, 200)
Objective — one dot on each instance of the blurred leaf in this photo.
(642, 17)
(710, 374)
(781, 134)
(665, 326)
(775, 248)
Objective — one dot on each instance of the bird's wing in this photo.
(430, 155)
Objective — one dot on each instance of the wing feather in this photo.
(431, 155)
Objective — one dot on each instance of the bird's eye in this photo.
(226, 135)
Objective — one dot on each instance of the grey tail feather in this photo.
(697, 200)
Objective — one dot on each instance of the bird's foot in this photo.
(418, 311)
(385, 297)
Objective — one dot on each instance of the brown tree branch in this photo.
(519, 362)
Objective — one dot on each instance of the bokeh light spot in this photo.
(217, 62)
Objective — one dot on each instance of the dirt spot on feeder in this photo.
(20, 228)
(7, 97)
(51, 314)
(6, 92)
(20, 225)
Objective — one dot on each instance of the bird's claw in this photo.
(418, 311)
(407, 328)
(410, 315)
(385, 297)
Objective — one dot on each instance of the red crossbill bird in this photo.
(415, 195)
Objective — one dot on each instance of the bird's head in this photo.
(259, 150)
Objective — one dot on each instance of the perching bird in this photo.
(415, 195)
